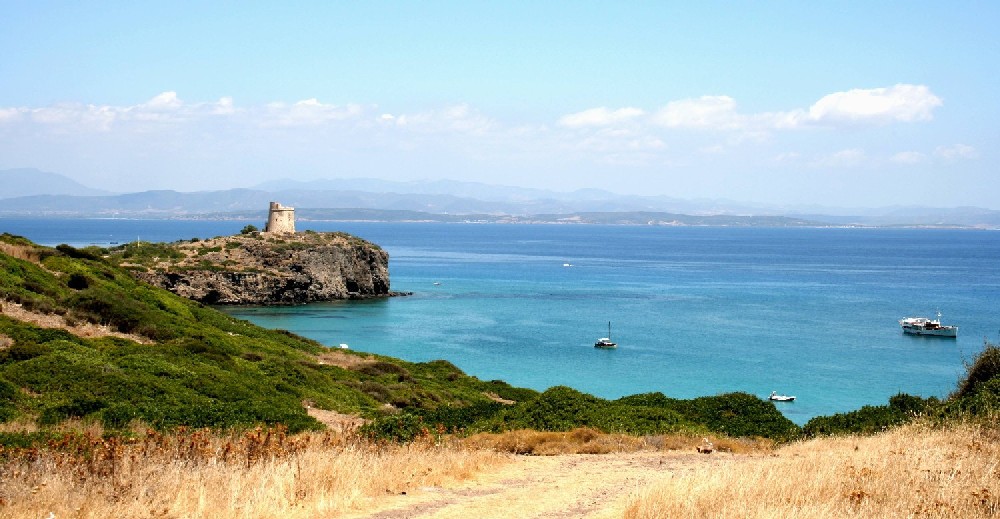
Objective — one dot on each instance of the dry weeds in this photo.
(343, 359)
(259, 474)
(80, 329)
(23, 252)
(915, 471)
(589, 441)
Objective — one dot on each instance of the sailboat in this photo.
(605, 342)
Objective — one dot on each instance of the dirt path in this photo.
(568, 486)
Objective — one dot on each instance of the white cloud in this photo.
(224, 106)
(841, 159)
(708, 112)
(956, 151)
(685, 131)
(163, 101)
(900, 103)
(11, 114)
(599, 117)
(787, 157)
(460, 119)
(908, 157)
(308, 112)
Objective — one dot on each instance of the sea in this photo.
(696, 311)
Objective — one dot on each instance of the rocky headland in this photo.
(266, 268)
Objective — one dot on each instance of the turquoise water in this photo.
(695, 311)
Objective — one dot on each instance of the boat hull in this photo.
(940, 332)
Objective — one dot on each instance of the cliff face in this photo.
(269, 269)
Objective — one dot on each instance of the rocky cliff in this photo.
(260, 268)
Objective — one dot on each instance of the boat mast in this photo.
(609, 330)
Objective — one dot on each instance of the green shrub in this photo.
(118, 415)
(76, 253)
(870, 419)
(380, 368)
(8, 395)
(23, 351)
(8, 392)
(400, 428)
(24, 440)
(77, 407)
(452, 417)
(78, 281)
(983, 368)
(376, 391)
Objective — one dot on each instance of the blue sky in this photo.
(786, 103)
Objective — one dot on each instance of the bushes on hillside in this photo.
(978, 393)
(871, 419)
(563, 409)
(8, 393)
(983, 368)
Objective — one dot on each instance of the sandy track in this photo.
(568, 486)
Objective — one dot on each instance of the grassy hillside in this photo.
(151, 356)
(185, 363)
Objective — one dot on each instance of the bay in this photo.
(695, 310)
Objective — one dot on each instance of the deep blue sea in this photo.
(695, 310)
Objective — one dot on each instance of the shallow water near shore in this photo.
(696, 311)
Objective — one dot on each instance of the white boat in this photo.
(605, 342)
(927, 326)
(780, 398)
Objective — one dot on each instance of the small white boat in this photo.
(780, 398)
(344, 346)
(605, 342)
(927, 326)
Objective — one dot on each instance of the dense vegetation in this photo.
(188, 364)
(196, 366)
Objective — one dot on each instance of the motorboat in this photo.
(780, 398)
(927, 326)
(605, 342)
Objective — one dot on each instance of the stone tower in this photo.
(280, 219)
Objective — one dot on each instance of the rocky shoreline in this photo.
(271, 269)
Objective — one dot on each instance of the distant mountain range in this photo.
(28, 182)
(34, 193)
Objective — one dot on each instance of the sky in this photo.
(786, 103)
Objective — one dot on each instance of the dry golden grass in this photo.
(259, 474)
(578, 441)
(589, 441)
(914, 471)
(344, 359)
(24, 252)
(78, 328)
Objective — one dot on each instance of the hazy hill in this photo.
(30, 181)
(34, 193)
